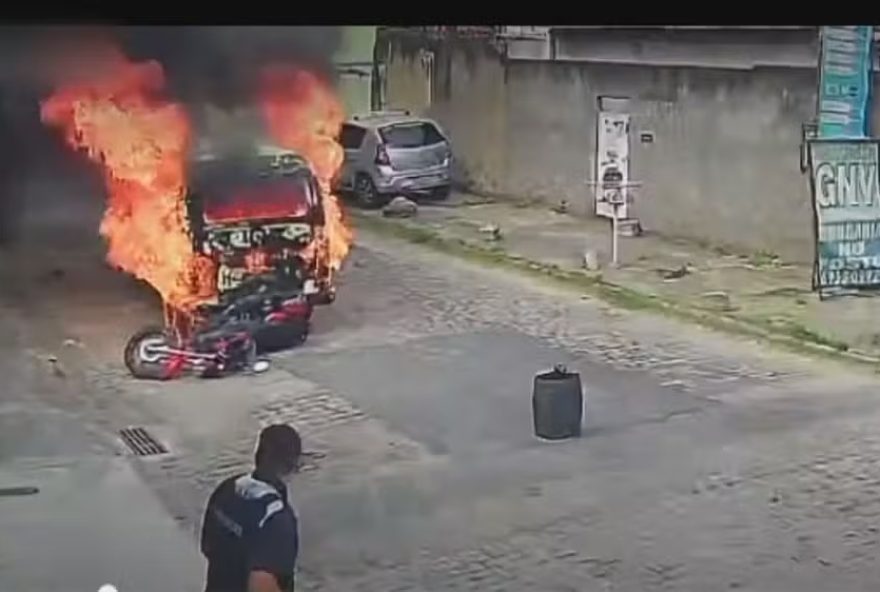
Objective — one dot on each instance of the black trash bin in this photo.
(557, 404)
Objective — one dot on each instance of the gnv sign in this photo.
(846, 200)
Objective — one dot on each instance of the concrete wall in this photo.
(724, 164)
(355, 89)
(354, 67)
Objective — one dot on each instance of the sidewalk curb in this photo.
(618, 295)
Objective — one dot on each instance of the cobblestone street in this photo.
(708, 463)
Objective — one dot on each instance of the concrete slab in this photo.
(91, 523)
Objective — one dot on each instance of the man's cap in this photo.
(280, 441)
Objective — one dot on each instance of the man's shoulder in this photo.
(251, 488)
(277, 515)
(230, 481)
(227, 487)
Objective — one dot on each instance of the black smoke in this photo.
(221, 65)
(217, 64)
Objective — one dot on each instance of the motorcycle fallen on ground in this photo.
(258, 216)
(265, 313)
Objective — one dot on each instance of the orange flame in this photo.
(141, 143)
(303, 114)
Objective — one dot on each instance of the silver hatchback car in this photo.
(390, 153)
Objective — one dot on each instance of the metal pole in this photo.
(620, 200)
(614, 236)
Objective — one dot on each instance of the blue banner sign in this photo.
(845, 81)
(846, 197)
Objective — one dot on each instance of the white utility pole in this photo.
(616, 194)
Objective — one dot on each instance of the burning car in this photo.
(258, 213)
(258, 218)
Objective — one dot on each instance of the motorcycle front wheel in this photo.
(141, 357)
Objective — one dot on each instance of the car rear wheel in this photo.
(366, 195)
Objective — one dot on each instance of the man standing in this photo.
(249, 534)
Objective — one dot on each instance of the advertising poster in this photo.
(845, 81)
(846, 199)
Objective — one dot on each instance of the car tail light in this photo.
(382, 156)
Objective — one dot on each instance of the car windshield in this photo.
(411, 135)
(232, 193)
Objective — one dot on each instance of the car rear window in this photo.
(265, 198)
(248, 189)
(411, 135)
(351, 137)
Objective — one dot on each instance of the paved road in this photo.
(708, 463)
(74, 514)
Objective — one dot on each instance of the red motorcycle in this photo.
(264, 314)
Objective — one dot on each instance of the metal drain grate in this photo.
(141, 442)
